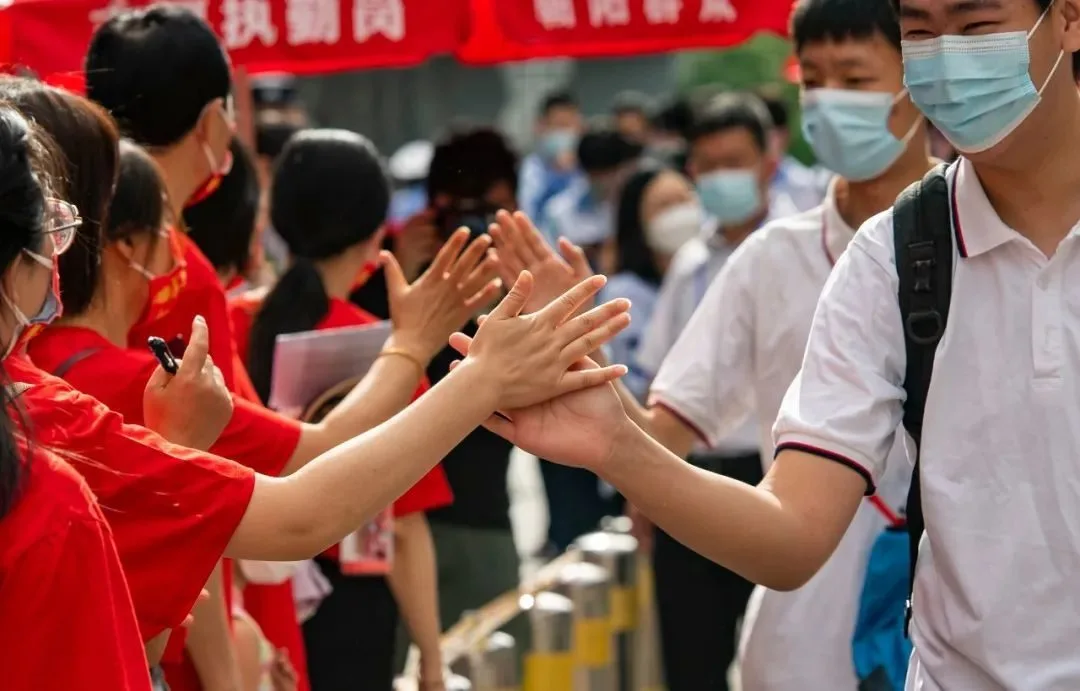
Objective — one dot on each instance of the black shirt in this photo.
(477, 467)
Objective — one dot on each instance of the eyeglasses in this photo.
(61, 222)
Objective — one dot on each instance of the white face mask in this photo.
(673, 227)
(268, 572)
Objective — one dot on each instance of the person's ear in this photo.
(769, 167)
(1070, 10)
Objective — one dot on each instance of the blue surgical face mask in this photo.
(557, 143)
(975, 89)
(849, 131)
(730, 196)
(50, 311)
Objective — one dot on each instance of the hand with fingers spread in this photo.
(442, 300)
(529, 359)
(521, 247)
(194, 406)
(579, 428)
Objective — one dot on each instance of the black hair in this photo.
(604, 148)
(330, 192)
(633, 253)
(156, 69)
(778, 107)
(138, 204)
(557, 99)
(630, 103)
(223, 223)
(734, 110)
(815, 21)
(677, 117)
(87, 156)
(271, 137)
(274, 89)
(22, 217)
(469, 162)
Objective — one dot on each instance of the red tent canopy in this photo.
(299, 36)
(507, 30)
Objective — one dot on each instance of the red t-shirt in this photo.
(172, 510)
(432, 491)
(66, 618)
(202, 295)
(255, 437)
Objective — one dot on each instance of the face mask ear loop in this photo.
(1053, 71)
(906, 139)
(142, 270)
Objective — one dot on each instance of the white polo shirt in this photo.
(735, 360)
(997, 594)
(692, 270)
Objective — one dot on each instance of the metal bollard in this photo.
(493, 666)
(453, 682)
(588, 587)
(617, 553)
(550, 663)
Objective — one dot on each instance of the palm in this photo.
(577, 429)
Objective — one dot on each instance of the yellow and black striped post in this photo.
(588, 587)
(617, 553)
(550, 663)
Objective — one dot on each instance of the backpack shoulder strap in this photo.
(65, 366)
(922, 233)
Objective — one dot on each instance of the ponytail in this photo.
(297, 303)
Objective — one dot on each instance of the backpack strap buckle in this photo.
(925, 327)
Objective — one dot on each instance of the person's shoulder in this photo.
(874, 240)
(794, 229)
(627, 284)
(688, 259)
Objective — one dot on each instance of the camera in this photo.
(475, 214)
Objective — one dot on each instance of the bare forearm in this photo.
(298, 516)
(209, 641)
(744, 528)
(414, 583)
(385, 390)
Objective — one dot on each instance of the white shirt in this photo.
(736, 358)
(691, 271)
(997, 593)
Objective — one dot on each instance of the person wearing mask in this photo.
(86, 348)
(332, 236)
(552, 166)
(174, 510)
(473, 172)
(584, 212)
(999, 551)
(802, 186)
(61, 579)
(657, 213)
(630, 111)
(223, 225)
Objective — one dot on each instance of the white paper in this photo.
(307, 364)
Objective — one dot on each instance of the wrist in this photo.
(484, 389)
(628, 443)
(416, 346)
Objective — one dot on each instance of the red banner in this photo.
(298, 36)
(519, 29)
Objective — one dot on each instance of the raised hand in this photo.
(442, 300)
(521, 247)
(579, 428)
(193, 407)
(528, 359)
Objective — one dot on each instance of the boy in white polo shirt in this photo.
(996, 593)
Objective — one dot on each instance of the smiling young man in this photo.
(995, 596)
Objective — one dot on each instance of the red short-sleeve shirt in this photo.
(203, 295)
(172, 510)
(255, 437)
(66, 617)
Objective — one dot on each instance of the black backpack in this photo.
(922, 235)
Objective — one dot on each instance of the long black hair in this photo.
(632, 251)
(23, 158)
(223, 223)
(331, 192)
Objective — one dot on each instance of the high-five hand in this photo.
(528, 359)
(438, 303)
(521, 247)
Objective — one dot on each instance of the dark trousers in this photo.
(575, 506)
(350, 640)
(698, 602)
